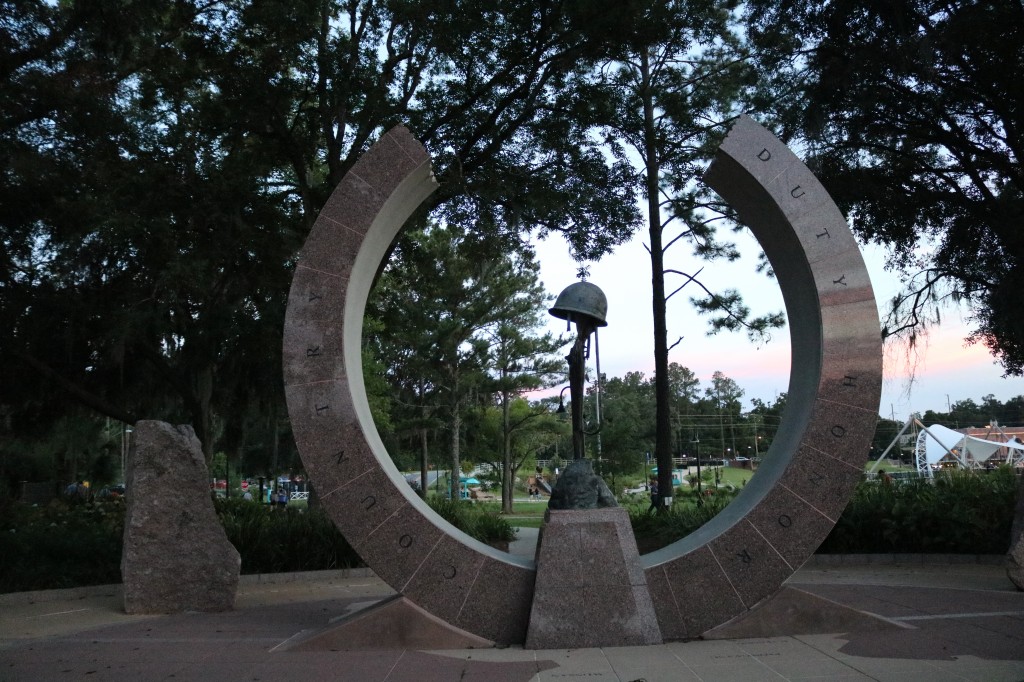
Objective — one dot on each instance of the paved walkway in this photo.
(961, 622)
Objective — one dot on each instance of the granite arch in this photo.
(716, 574)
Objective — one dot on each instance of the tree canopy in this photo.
(167, 159)
(911, 115)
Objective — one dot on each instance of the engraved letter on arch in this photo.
(372, 501)
(764, 154)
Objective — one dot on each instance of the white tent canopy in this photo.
(940, 440)
(936, 441)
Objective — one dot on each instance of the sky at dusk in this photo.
(943, 368)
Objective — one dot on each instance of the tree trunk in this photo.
(456, 427)
(424, 464)
(201, 411)
(662, 414)
(507, 484)
(456, 432)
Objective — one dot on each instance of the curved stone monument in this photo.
(732, 563)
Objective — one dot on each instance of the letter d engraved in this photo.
(764, 154)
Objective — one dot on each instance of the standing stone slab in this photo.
(591, 590)
(176, 554)
(1015, 557)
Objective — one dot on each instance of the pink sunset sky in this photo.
(941, 365)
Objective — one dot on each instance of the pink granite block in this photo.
(703, 594)
(790, 525)
(312, 341)
(670, 620)
(399, 546)
(841, 278)
(754, 568)
(823, 233)
(842, 430)
(354, 204)
(443, 581)
(507, 591)
(363, 504)
(821, 481)
(334, 448)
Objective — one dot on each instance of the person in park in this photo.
(654, 496)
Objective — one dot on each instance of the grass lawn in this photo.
(889, 466)
(528, 514)
(735, 476)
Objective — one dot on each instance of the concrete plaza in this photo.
(957, 621)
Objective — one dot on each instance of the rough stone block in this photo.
(176, 556)
(1015, 557)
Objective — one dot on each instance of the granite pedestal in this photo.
(590, 589)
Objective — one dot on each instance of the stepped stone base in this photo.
(792, 611)
(395, 623)
(591, 590)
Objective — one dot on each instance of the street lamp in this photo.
(585, 305)
(561, 402)
(696, 451)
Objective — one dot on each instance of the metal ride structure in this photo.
(735, 561)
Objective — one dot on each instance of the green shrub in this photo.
(958, 512)
(656, 530)
(65, 544)
(275, 541)
(482, 522)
